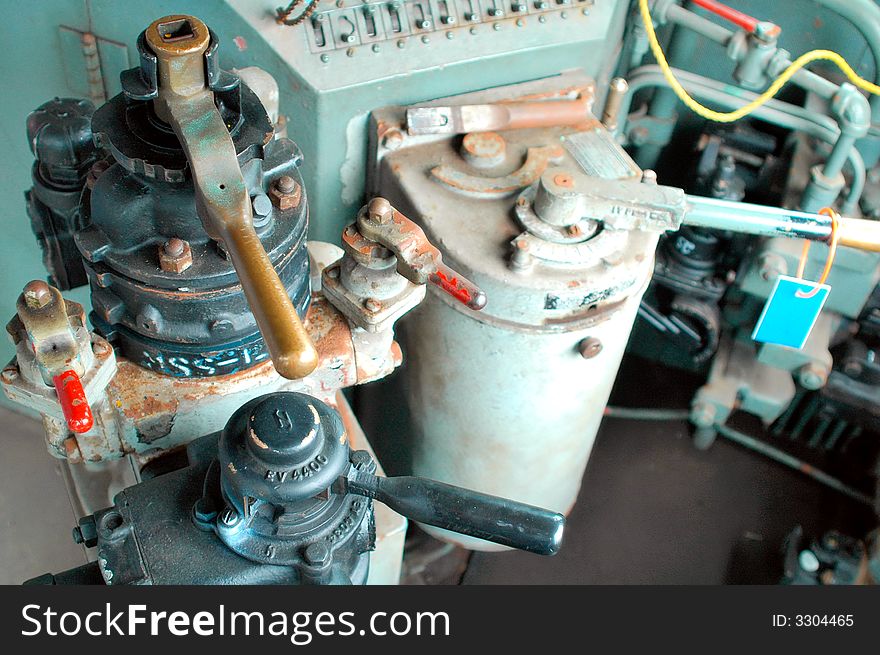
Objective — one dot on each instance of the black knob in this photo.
(282, 448)
(60, 136)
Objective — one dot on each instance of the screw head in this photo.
(589, 347)
(317, 554)
(229, 517)
(380, 210)
(37, 293)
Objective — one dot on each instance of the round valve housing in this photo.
(163, 288)
(280, 457)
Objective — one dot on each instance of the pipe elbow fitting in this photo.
(851, 110)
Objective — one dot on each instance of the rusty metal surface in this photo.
(536, 162)
(158, 412)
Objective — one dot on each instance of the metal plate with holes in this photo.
(374, 22)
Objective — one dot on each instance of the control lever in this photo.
(48, 324)
(186, 103)
(463, 119)
(418, 260)
(494, 519)
(630, 204)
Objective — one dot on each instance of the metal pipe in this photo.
(680, 16)
(776, 112)
(793, 463)
(761, 220)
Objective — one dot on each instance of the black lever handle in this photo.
(494, 519)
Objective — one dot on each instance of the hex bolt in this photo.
(372, 305)
(262, 205)
(37, 294)
(86, 532)
(285, 193)
(590, 347)
(174, 247)
(203, 511)
(175, 256)
(317, 554)
(380, 211)
(285, 184)
(649, 176)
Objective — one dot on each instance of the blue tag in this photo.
(788, 318)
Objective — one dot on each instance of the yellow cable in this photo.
(772, 90)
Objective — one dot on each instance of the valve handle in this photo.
(499, 520)
(187, 104)
(74, 405)
(418, 260)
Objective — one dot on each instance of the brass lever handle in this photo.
(187, 104)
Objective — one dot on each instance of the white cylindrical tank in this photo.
(508, 400)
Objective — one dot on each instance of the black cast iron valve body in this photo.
(278, 497)
(163, 290)
(280, 458)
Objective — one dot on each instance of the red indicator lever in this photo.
(73, 401)
(459, 287)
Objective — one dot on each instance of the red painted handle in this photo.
(459, 287)
(73, 401)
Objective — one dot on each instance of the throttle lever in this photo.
(186, 103)
(499, 520)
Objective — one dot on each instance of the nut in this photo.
(285, 193)
(590, 347)
(37, 294)
(9, 375)
(392, 139)
(372, 305)
(175, 256)
(317, 553)
(380, 210)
